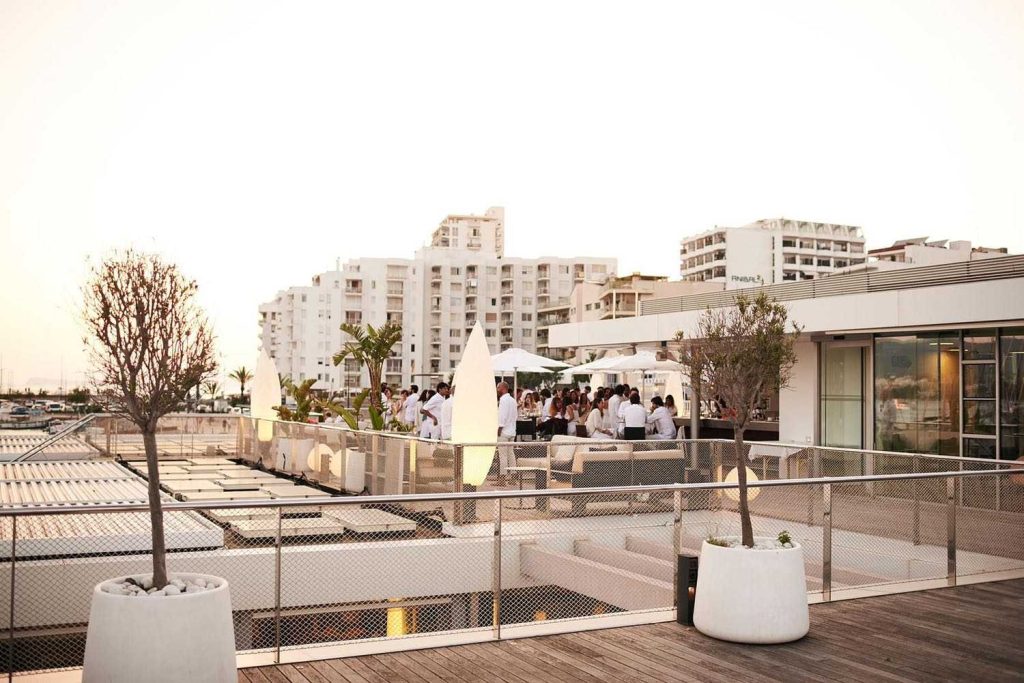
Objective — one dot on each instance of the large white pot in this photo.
(188, 637)
(751, 596)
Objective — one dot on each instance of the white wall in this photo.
(798, 404)
(748, 258)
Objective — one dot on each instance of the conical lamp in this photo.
(475, 411)
(265, 394)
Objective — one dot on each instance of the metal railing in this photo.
(355, 575)
(996, 268)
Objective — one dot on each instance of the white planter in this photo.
(751, 596)
(187, 637)
(291, 454)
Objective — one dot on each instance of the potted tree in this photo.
(149, 343)
(749, 589)
(370, 347)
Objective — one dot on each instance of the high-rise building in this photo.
(769, 251)
(437, 296)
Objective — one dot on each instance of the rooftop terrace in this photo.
(963, 633)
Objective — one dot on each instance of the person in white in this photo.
(507, 414)
(599, 426)
(431, 411)
(545, 409)
(661, 418)
(446, 415)
(615, 401)
(633, 414)
(409, 407)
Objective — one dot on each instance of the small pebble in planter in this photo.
(133, 588)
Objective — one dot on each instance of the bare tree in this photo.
(149, 343)
(742, 355)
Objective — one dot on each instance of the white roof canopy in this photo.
(521, 360)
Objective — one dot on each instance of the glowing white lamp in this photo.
(265, 394)
(475, 411)
(313, 459)
(733, 477)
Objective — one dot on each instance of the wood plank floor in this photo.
(971, 633)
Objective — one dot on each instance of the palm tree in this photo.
(370, 347)
(212, 388)
(241, 375)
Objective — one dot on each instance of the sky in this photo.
(255, 142)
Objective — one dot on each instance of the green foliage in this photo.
(351, 417)
(784, 537)
(741, 355)
(241, 375)
(78, 395)
(305, 402)
(532, 380)
(370, 347)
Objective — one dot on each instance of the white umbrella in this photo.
(642, 361)
(516, 360)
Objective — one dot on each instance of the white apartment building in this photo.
(920, 252)
(437, 296)
(769, 251)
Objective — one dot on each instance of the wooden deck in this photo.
(971, 633)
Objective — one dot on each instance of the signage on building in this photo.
(753, 279)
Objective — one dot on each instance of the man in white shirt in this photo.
(431, 411)
(507, 414)
(446, 415)
(599, 426)
(664, 427)
(615, 403)
(409, 407)
(633, 414)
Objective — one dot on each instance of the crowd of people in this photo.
(601, 413)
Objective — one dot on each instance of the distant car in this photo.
(19, 410)
(55, 407)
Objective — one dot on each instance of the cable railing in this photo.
(362, 574)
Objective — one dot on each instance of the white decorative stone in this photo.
(172, 590)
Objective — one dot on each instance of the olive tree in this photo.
(149, 343)
(742, 354)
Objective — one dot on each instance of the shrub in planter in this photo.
(742, 356)
(149, 344)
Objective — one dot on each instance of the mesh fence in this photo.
(336, 569)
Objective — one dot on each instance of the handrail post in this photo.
(826, 543)
(677, 532)
(277, 591)
(951, 531)
(496, 571)
(458, 512)
(812, 471)
(10, 625)
(917, 502)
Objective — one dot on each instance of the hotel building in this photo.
(769, 251)
(461, 277)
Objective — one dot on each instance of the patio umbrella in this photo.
(512, 361)
(643, 361)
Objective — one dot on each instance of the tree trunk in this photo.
(156, 511)
(746, 528)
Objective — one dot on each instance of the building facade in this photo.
(927, 359)
(460, 278)
(769, 251)
(920, 252)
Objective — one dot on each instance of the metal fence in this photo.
(356, 575)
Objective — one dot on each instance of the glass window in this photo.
(917, 393)
(1011, 394)
(980, 345)
(980, 380)
(979, 448)
(842, 396)
(979, 416)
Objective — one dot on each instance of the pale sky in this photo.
(255, 142)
